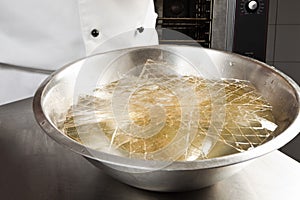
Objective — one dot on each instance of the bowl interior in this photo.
(62, 89)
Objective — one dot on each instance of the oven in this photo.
(239, 26)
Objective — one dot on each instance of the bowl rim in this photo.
(274, 144)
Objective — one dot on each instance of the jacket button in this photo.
(140, 29)
(95, 33)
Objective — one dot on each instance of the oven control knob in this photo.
(252, 6)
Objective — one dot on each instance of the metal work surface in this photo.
(35, 167)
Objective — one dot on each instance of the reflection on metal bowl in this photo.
(61, 90)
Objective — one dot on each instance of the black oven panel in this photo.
(250, 31)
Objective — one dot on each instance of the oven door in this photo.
(232, 25)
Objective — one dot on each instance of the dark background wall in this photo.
(283, 48)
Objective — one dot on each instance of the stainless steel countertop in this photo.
(35, 167)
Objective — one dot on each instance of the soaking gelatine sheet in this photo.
(154, 114)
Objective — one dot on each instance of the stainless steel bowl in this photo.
(61, 90)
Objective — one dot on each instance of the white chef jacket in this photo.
(39, 36)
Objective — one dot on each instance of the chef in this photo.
(38, 37)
